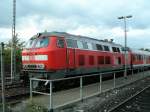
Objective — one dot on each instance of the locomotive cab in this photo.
(44, 54)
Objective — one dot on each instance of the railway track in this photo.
(139, 102)
(15, 84)
(15, 91)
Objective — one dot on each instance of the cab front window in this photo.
(42, 42)
(30, 43)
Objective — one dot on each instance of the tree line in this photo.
(18, 46)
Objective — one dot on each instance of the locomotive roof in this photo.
(78, 37)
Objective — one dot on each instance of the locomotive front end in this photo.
(35, 55)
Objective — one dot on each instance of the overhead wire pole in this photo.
(125, 42)
(3, 78)
(13, 50)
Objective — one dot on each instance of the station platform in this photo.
(67, 97)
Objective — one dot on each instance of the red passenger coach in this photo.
(140, 58)
(59, 54)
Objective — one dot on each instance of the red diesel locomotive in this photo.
(59, 54)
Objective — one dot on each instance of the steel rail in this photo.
(128, 99)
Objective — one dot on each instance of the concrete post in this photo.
(51, 97)
(31, 89)
(100, 83)
(81, 88)
(114, 80)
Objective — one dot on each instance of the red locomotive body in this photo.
(59, 54)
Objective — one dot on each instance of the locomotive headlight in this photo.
(41, 57)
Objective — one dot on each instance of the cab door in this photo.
(71, 52)
(61, 53)
(71, 57)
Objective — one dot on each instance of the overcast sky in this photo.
(94, 18)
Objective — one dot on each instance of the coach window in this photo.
(106, 48)
(80, 44)
(99, 47)
(90, 47)
(140, 57)
(137, 57)
(133, 58)
(60, 43)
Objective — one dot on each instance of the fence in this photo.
(141, 74)
(7, 64)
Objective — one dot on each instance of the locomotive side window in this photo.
(71, 43)
(99, 47)
(94, 46)
(85, 46)
(80, 44)
(107, 60)
(114, 49)
(90, 47)
(60, 43)
(118, 50)
(106, 48)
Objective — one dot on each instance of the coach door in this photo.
(144, 59)
(71, 53)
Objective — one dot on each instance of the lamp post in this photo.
(125, 42)
(3, 78)
(13, 54)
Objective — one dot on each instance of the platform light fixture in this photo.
(125, 42)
